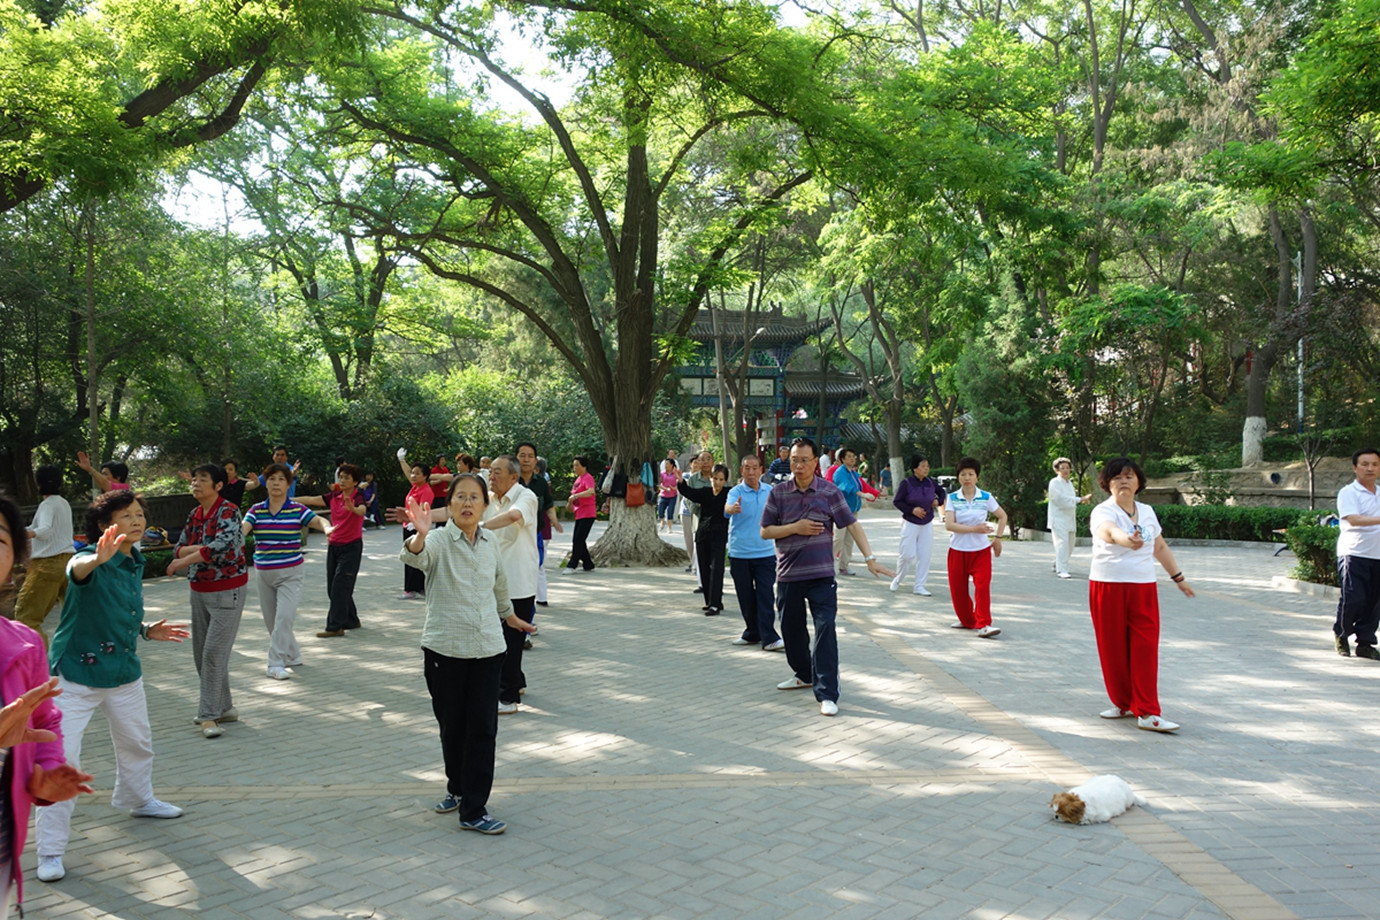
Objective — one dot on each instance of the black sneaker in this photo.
(1367, 651)
(1343, 647)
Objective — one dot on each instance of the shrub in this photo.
(1315, 546)
(1219, 522)
(156, 563)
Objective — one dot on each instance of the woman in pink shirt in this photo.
(582, 504)
(666, 495)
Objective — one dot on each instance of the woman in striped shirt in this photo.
(277, 528)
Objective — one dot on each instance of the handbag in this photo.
(637, 494)
(620, 486)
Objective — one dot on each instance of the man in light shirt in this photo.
(1059, 515)
(1358, 558)
(512, 518)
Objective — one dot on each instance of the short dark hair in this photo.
(230, 461)
(440, 458)
(1356, 457)
(843, 452)
(281, 469)
(422, 467)
(806, 442)
(49, 478)
(915, 460)
(466, 459)
(1114, 468)
(470, 477)
(216, 473)
(969, 463)
(281, 447)
(117, 470)
(19, 535)
(719, 468)
(352, 470)
(521, 445)
(582, 460)
(103, 507)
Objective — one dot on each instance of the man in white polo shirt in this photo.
(512, 517)
(1358, 558)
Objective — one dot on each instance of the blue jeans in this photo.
(753, 580)
(666, 508)
(814, 661)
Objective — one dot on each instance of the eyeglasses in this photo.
(467, 499)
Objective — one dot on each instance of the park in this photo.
(348, 233)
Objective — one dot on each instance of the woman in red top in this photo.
(414, 581)
(582, 505)
(344, 549)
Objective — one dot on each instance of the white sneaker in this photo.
(828, 708)
(280, 673)
(958, 625)
(895, 582)
(778, 646)
(988, 632)
(1115, 713)
(794, 683)
(923, 593)
(1065, 575)
(50, 869)
(156, 809)
(568, 571)
(741, 641)
(1156, 724)
(507, 709)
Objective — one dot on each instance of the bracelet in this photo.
(1177, 577)
(143, 631)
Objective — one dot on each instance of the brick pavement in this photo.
(655, 771)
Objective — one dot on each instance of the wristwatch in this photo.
(870, 559)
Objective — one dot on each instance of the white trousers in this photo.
(917, 545)
(1063, 548)
(128, 715)
(280, 590)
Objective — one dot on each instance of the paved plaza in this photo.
(655, 771)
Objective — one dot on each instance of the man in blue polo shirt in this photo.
(800, 515)
(752, 560)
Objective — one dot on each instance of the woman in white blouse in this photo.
(1127, 540)
(462, 643)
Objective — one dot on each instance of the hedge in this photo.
(1220, 522)
(1316, 548)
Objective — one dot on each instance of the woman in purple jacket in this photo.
(918, 498)
(30, 746)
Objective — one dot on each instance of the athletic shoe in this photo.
(50, 869)
(487, 824)
(778, 646)
(1115, 713)
(1367, 651)
(156, 809)
(988, 632)
(280, 673)
(794, 683)
(958, 625)
(895, 583)
(828, 708)
(507, 709)
(1343, 646)
(922, 592)
(741, 641)
(447, 805)
(1156, 724)
(1065, 575)
(408, 596)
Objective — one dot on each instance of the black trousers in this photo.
(710, 547)
(413, 579)
(464, 697)
(342, 568)
(1358, 609)
(514, 681)
(579, 553)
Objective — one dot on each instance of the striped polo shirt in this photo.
(278, 537)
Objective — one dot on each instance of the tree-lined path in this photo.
(654, 771)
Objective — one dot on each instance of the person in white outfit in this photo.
(1059, 518)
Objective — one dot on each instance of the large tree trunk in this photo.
(1267, 355)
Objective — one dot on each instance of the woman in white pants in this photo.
(93, 655)
(918, 498)
(1059, 517)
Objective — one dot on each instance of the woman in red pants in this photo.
(1127, 540)
(971, 549)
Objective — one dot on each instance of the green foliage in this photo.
(1316, 549)
(1219, 522)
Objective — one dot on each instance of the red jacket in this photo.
(23, 666)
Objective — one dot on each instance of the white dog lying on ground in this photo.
(1100, 799)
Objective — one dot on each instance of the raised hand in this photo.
(418, 514)
(109, 544)
(59, 784)
(14, 718)
(163, 631)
